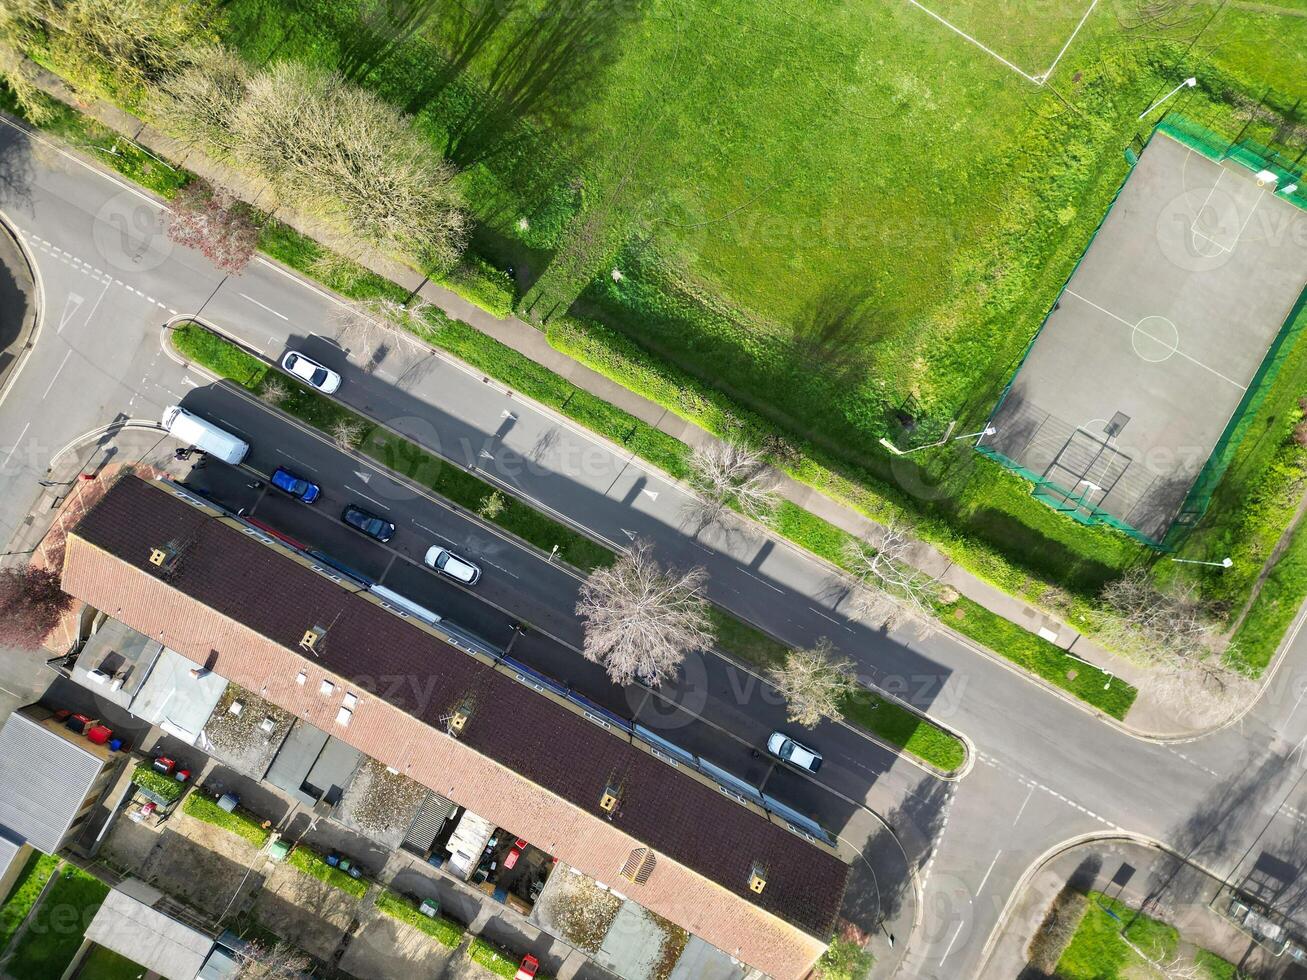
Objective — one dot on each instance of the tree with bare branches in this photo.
(892, 590)
(197, 103)
(274, 389)
(279, 961)
(215, 225)
(641, 619)
(814, 682)
(347, 432)
(728, 473)
(1154, 624)
(31, 602)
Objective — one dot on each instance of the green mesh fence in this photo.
(1245, 152)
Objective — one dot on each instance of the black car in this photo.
(367, 522)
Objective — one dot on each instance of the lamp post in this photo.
(1223, 563)
(1187, 83)
(988, 430)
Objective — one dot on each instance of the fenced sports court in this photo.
(1127, 403)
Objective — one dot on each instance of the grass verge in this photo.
(446, 931)
(104, 964)
(1281, 595)
(889, 720)
(1110, 695)
(55, 934)
(495, 960)
(229, 360)
(313, 864)
(205, 808)
(23, 895)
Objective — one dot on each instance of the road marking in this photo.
(363, 475)
(91, 316)
(981, 887)
(653, 494)
(188, 380)
(265, 306)
(17, 442)
(1023, 804)
(501, 568)
(957, 933)
(629, 534)
(301, 462)
(366, 497)
(432, 530)
(55, 378)
(71, 305)
(821, 614)
(756, 579)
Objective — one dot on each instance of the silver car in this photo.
(447, 563)
(795, 753)
(311, 372)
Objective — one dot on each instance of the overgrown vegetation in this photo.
(497, 961)
(164, 787)
(55, 933)
(243, 825)
(444, 930)
(312, 863)
(27, 888)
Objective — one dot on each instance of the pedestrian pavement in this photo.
(1145, 717)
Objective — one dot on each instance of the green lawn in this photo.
(445, 930)
(104, 964)
(164, 787)
(242, 824)
(492, 958)
(1097, 951)
(23, 895)
(311, 863)
(55, 932)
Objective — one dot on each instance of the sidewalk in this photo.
(532, 343)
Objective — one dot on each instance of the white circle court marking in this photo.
(1154, 339)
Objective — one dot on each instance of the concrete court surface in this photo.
(1153, 344)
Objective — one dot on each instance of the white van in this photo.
(195, 431)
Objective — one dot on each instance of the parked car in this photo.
(795, 753)
(311, 372)
(296, 486)
(368, 522)
(527, 968)
(447, 563)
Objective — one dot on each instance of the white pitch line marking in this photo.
(265, 306)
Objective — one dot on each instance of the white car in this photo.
(311, 372)
(796, 754)
(447, 563)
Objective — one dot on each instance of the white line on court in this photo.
(265, 306)
(1134, 326)
(1048, 71)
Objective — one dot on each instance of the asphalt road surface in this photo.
(1047, 770)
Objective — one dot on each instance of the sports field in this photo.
(1153, 346)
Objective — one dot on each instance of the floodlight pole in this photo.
(1223, 563)
(1187, 83)
(988, 430)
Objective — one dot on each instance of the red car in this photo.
(527, 968)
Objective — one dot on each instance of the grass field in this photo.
(23, 895)
(104, 964)
(239, 822)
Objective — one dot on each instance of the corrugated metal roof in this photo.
(245, 605)
(44, 777)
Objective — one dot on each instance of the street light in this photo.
(1223, 563)
(1187, 83)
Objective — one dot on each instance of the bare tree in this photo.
(892, 590)
(341, 153)
(273, 390)
(813, 683)
(215, 225)
(1163, 967)
(197, 104)
(1155, 625)
(31, 602)
(280, 961)
(641, 620)
(1205, 693)
(367, 324)
(730, 474)
(347, 432)
(492, 505)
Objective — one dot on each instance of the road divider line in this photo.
(264, 305)
(57, 371)
(981, 887)
(366, 497)
(17, 443)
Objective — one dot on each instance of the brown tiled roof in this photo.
(243, 606)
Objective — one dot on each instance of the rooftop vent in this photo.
(312, 637)
(757, 878)
(612, 795)
(459, 719)
(639, 866)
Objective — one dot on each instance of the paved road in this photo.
(1047, 770)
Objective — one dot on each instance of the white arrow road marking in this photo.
(629, 534)
(71, 305)
(653, 494)
(506, 414)
(486, 454)
(365, 477)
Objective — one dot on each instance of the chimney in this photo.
(757, 878)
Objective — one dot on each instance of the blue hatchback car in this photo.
(297, 487)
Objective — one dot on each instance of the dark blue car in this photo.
(297, 487)
(369, 523)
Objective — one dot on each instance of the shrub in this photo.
(311, 863)
(164, 787)
(205, 808)
(445, 930)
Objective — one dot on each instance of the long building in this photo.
(261, 615)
